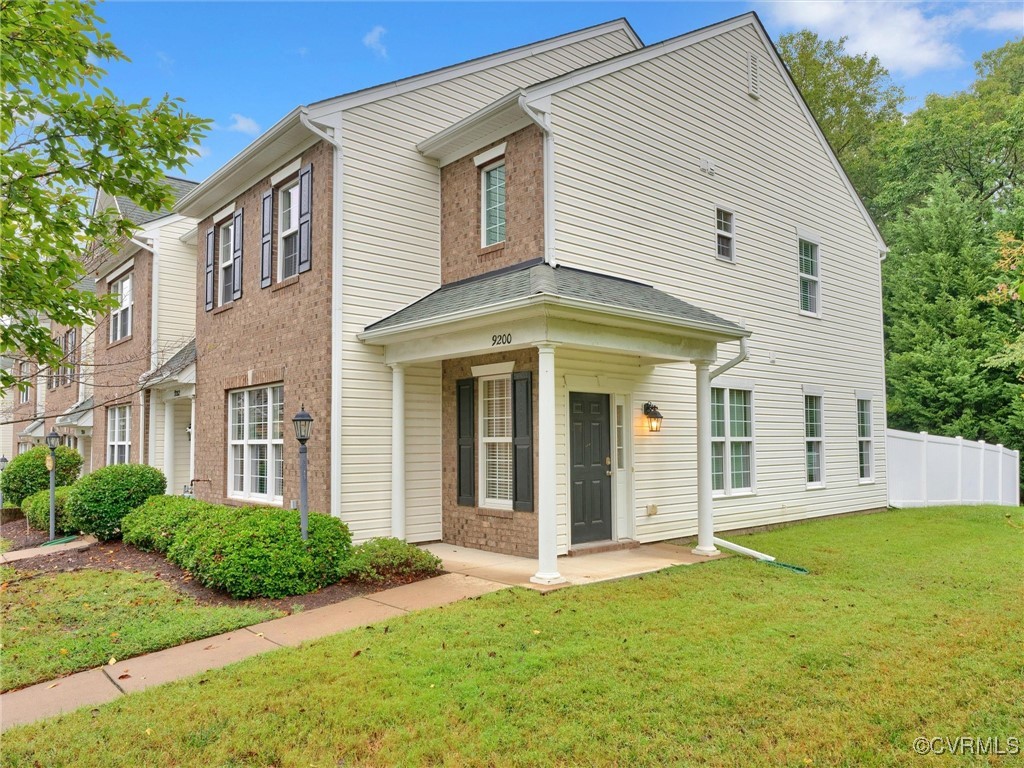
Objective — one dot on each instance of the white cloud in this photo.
(201, 150)
(243, 124)
(164, 62)
(372, 41)
(995, 18)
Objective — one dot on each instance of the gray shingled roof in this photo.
(138, 215)
(180, 360)
(535, 278)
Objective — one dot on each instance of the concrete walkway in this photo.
(83, 542)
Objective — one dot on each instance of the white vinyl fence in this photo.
(928, 471)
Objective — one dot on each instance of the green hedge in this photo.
(27, 474)
(100, 500)
(37, 510)
(387, 558)
(153, 525)
(259, 552)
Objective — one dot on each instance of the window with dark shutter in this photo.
(522, 441)
(266, 238)
(236, 258)
(467, 442)
(305, 219)
(210, 255)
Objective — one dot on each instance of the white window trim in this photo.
(122, 308)
(485, 502)
(113, 417)
(246, 494)
(224, 213)
(281, 233)
(812, 391)
(870, 439)
(727, 385)
(24, 395)
(488, 155)
(483, 203)
(813, 239)
(289, 170)
(494, 369)
(731, 235)
(222, 265)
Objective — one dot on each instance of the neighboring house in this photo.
(485, 282)
(152, 274)
(68, 408)
(8, 398)
(29, 406)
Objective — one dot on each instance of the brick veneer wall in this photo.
(23, 414)
(64, 395)
(461, 254)
(280, 334)
(117, 366)
(505, 531)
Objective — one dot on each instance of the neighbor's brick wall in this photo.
(118, 366)
(64, 395)
(461, 254)
(280, 334)
(508, 532)
(23, 414)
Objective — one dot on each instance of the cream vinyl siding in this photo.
(391, 258)
(631, 200)
(176, 303)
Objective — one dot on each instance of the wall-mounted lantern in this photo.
(653, 416)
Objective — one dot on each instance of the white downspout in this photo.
(154, 303)
(542, 118)
(337, 327)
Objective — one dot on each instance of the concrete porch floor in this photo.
(586, 569)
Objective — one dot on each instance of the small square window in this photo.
(726, 235)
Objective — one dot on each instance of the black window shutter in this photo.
(236, 257)
(467, 442)
(306, 219)
(522, 441)
(265, 239)
(209, 269)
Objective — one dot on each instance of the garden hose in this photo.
(794, 568)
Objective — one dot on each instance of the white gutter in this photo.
(337, 300)
(154, 302)
(542, 117)
(743, 355)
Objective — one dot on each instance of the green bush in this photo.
(27, 473)
(37, 510)
(100, 500)
(259, 552)
(386, 558)
(153, 525)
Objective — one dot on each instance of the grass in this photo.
(908, 625)
(58, 623)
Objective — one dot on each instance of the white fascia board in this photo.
(398, 87)
(435, 146)
(601, 69)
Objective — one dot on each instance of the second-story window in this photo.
(810, 280)
(25, 393)
(288, 232)
(724, 224)
(492, 178)
(226, 245)
(67, 371)
(121, 315)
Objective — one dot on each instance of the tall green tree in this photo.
(63, 137)
(851, 96)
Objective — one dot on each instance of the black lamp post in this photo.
(3, 466)
(303, 424)
(52, 441)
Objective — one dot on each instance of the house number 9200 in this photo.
(499, 339)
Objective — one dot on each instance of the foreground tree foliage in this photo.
(62, 138)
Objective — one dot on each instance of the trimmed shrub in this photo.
(259, 552)
(37, 510)
(27, 473)
(101, 499)
(387, 558)
(153, 525)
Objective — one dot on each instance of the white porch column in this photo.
(192, 442)
(398, 451)
(705, 510)
(169, 446)
(547, 520)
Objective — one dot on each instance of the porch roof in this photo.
(78, 415)
(35, 429)
(174, 366)
(589, 290)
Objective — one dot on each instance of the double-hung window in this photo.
(726, 235)
(492, 182)
(24, 393)
(121, 315)
(256, 444)
(226, 246)
(496, 441)
(732, 440)
(814, 431)
(810, 278)
(288, 231)
(67, 368)
(864, 443)
(118, 434)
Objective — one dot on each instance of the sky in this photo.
(246, 64)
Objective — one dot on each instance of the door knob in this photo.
(608, 472)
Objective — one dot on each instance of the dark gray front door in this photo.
(590, 477)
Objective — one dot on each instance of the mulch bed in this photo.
(118, 556)
(21, 536)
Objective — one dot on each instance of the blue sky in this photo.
(246, 64)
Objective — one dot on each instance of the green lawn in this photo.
(58, 623)
(909, 624)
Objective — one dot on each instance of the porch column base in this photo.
(547, 578)
(705, 551)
